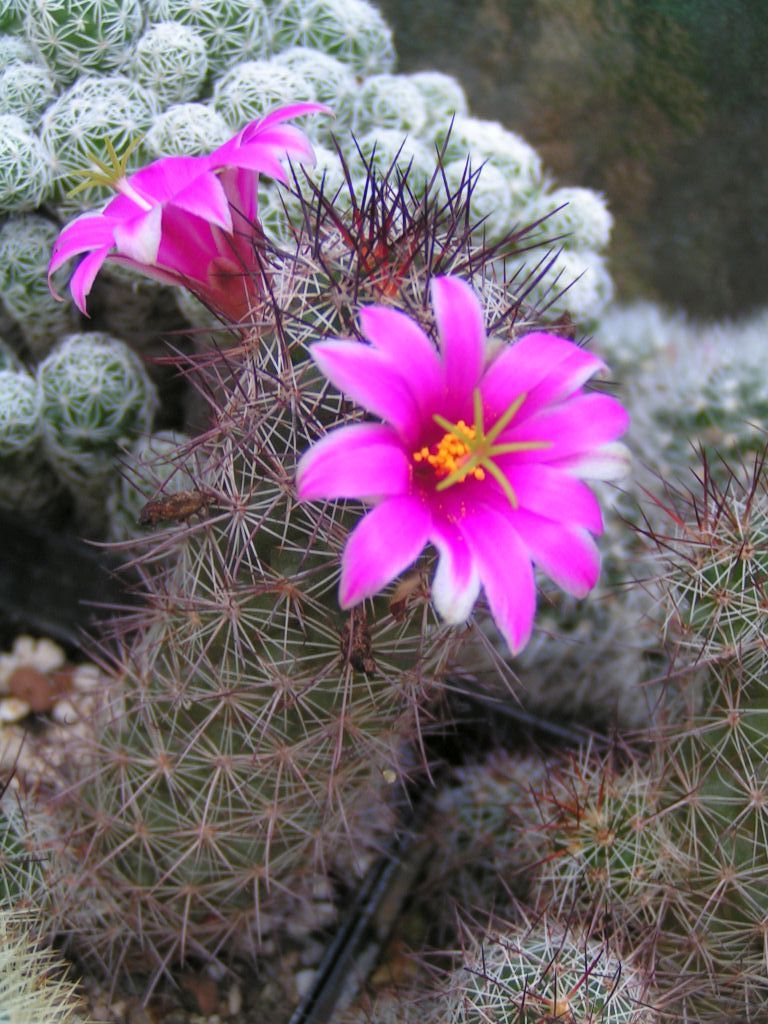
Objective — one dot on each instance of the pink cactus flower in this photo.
(190, 221)
(482, 454)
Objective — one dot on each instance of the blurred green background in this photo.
(661, 104)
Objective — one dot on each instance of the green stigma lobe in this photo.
(481, 447)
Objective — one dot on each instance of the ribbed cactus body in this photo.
(172, 60)
(259, 723)
(25, 250)
(26, 90)
(25, 172)
(77, 37)
(352, 30)
(530, 975)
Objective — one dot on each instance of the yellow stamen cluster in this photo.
(450, 453)
(465, 451)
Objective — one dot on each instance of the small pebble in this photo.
(86, 677)
(13, 710)
(234, 999)
(65, 713)
(303, 981)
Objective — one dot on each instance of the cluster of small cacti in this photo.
(522, 973)
(76, 73)
(659, 849)
(62, 425)
(77, 76)
(260, 736)
(689, 384)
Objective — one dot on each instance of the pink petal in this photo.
(456, 583)
(399, 337)
(253, 158)
(241, 188)
(544, 367)
(461, 330)
(610, 461)
(567, 554)
(505, 571)
(85, 275)
(369, 378)
(383, 544)
(139, 239)
(575, 425)
(160, 182)
(205, 197)
(187, 245)
(287, 113)
(156, 273)
(91, 231)
(287, 139)
(552, 493)
(361, 461)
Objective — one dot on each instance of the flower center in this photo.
(465, 451)
(450, 453)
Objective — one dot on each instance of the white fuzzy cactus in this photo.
(352, 30)
(25, 166)
(251, 89)
(186, 129)
(503, 149)
(443, 95)
(19, 413)
(26, 481)
(579, 217)
(491, 201)
(16, 50)
(575, 283)
(689, 384)
(77, 37)
(233, 30)
(96, 397)
(26, 90)
(171, 59)
(390, 101)
(11, 14)
(78, 125)
(331, 81)
(25, 249)
(150, 470)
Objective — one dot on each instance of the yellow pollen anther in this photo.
(465, 451)
(450, 453)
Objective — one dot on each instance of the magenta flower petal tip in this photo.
(192, 221)
(482, 453)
